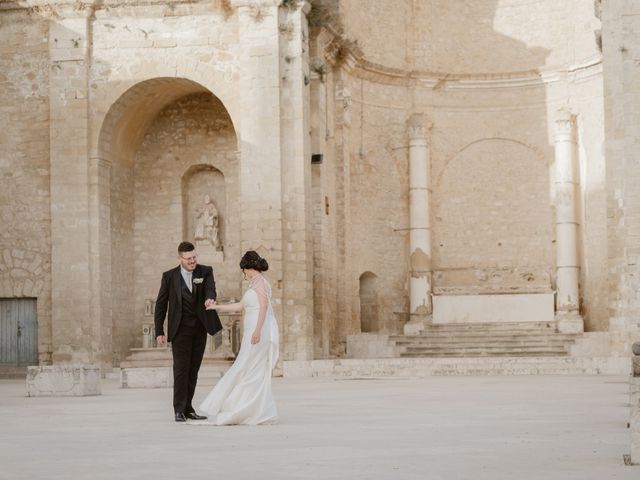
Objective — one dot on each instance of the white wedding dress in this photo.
(243, 395)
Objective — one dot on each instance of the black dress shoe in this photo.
(195, 416)
(180, 417)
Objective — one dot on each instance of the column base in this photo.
(417, 324)
(63, 381)
(569, 322)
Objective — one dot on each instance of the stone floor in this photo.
(551, 427)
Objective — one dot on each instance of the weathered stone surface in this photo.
(63, 380)
(120, 115)
(424, 367)
(634, 416)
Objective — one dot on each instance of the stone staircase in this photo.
(153, 367)
(531, 339)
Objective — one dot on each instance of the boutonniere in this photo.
(197, 281)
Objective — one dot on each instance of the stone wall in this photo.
(492, 145)
(25, 239)
(471, 36)
(167, 99)
(621, 47)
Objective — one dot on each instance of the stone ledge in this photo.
(162, 376)
(63, 380)
(424, 367)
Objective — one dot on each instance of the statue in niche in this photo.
(207, 225)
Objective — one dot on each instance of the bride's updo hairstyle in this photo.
(253, 261)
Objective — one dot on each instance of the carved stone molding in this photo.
(419, 126)
(564, 124)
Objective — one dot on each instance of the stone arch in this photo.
(146, 227)
(185, 74)
(478, 141)
(493, 214)
(369, 308)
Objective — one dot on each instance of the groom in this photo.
(184, 289)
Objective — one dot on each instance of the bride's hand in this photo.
(210, 304)
(255, 338)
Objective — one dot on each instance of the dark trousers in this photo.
(188, 348)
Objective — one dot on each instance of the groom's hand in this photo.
(209, 302)
(161, 339)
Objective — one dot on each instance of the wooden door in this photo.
(18, 332)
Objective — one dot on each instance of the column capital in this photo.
(564, 123)
(419, 126)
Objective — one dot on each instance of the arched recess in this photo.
(204, 194)
(369, 303)
(493, 219)
(144, 194)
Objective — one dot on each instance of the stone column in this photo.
(295, 146)
(420, 307)
(566, 191)
(274, 175)
(75, 327)
(634, 404)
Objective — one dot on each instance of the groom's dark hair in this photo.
(186, 247)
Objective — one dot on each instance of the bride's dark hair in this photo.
(254, 261)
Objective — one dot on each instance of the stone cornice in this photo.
(356, 64)
(39, 6)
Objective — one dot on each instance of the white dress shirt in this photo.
(187, 278)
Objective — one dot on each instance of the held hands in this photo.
(161, 339)
(210, 304)
(255, 338)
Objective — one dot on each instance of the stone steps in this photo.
(354, 368)
(160, 357)
(493, 326)
(560, 338)
(485, 340)
(485, 352)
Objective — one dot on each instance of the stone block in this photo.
(162, 376)
(369, 345)
(634, 417)
(153, 377)
(570, 323)
(493, 308)
(63, 380)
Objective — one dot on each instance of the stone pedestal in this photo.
(569, 322)
(634, 402)
(416, 325)
(63, 380)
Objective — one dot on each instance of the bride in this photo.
(243, 395)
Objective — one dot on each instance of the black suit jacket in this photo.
(170, 295)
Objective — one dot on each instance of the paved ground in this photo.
(433, 428)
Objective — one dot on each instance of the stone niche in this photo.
(204, 212)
